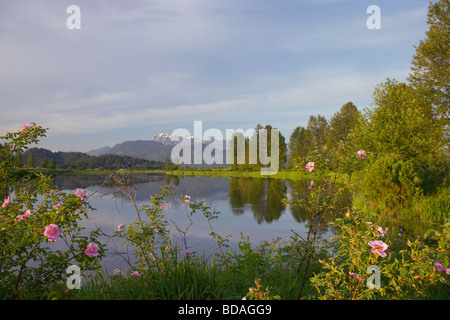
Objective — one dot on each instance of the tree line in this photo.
(405, 132)
(43, 158)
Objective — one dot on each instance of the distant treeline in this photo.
(304, 141)
(43, 158)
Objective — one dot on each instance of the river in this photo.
(248, 206)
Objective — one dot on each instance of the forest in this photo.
(43, 158)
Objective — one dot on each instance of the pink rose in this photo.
(378, 247)
(52, 232)
(80, 194)
(310, 166)
(362, 154)
(91, 250)
(23, 216)
(5, 202)
(25, 127)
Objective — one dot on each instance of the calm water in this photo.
(248, 206)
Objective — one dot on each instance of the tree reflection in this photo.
(264, 196)
(265, 199)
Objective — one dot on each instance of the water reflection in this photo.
(262, 196)
(249, 206)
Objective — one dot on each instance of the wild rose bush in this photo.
(40, 232)
(148, 235)
(406, 268)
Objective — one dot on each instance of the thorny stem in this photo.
(309, 251)
(124, 190)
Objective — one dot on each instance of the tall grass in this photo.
(186, 280)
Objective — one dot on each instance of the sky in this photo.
(138, 68)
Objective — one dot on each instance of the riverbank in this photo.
(223, 172)
(216, 172)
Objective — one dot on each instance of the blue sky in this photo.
(137, 68)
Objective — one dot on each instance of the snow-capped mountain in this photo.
(164, 138)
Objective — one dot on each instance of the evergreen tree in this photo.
(18, 159)
(431, 63)
(31, 161)
(341, 124)
(299, 144)
(304, 141)
(52, 164)
(318, 130)
(44, 163)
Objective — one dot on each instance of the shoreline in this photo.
(216, 172)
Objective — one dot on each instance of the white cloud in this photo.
(176, 61)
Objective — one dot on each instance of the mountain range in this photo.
(158, 148)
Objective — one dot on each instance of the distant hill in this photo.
(99, 151)
(144, 149)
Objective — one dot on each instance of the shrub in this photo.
(40, 234)
(390, 181)
(406, 269)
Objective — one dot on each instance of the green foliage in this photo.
(260, 293)
(402, 123)
(431, 62)
(318, 128)
(342, 123)
(244, 160)
(390, 181)
(304, 142)
(407, 271)
(79, 160)
(299, 145)
(31, 265)
(31, 163)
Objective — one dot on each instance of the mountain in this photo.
(165, 139)
(144, 149)
(99, 151)
(158, 148)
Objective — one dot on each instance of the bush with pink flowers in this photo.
(40, 234)
(407, 268)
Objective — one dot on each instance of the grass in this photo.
(225, 172)
(195, 278)
(215, 172)
(274, 264)
(181, 281)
